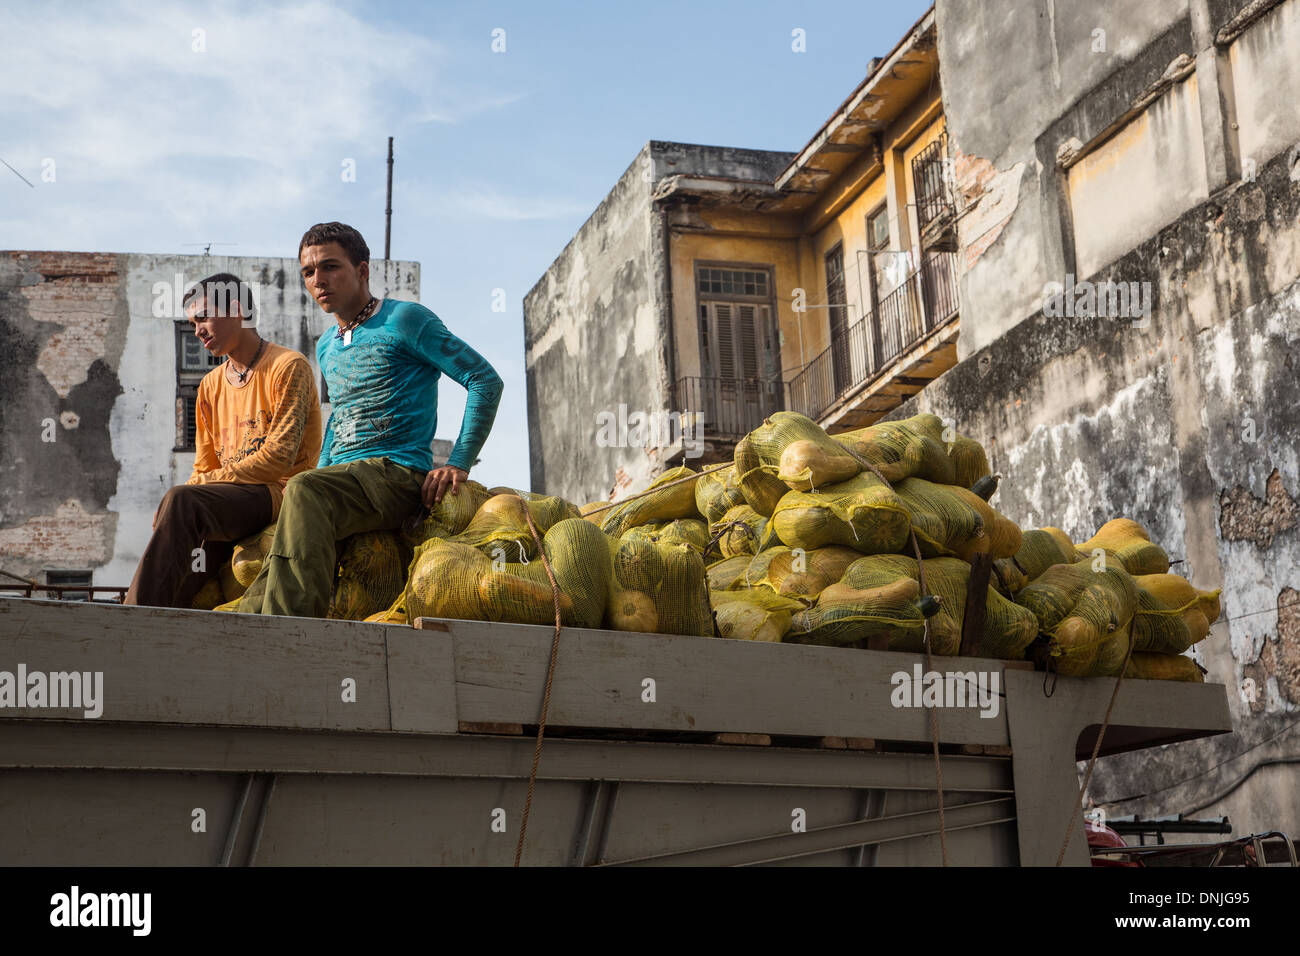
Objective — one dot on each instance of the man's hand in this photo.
(439, 481)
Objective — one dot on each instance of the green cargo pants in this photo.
(320, 508)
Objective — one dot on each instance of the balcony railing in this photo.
(728, 408)
(930, 179)
(926, 300)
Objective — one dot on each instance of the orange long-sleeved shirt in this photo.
(262, 432)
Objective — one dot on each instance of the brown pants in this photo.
(209, 517)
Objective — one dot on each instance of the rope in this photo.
(550, 677)
(693, 476)
(929, 664)
(1096, 748)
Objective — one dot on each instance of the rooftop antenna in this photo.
(388, 211)
(207, 246)
(390, 174)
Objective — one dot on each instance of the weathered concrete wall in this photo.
(1191, 427)
(1019, 79)
(598, 328)
(93, 349)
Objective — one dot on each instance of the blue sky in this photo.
(501, 156)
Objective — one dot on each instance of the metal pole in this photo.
(388, 212)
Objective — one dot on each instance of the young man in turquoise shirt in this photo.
(381, 364)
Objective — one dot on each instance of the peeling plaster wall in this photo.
(596, 328)
(93, 349)
(1190, 427)
(593, 341)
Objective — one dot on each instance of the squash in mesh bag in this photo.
(208, 596)
(691, 532)
(861, 513)
(743, 531)
(901, 449)
(444, 581)
(752, 614)
(657, 588)
(798, 453)
(521, 593)
(1129, 542)
(761, 488)
(969, 461)
(801, 575)
(371, 573)
(1087, 614)
(662, 504)
(450, 516)
(953, 521)
(877, 600)
(1147, 666)
(231, 589)
(1008, 628)
(728, 573)
(500, 526)
(246, 560)
(1171, 615)
(1039, 550)
(716, 493)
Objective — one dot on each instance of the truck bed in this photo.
(748, 753)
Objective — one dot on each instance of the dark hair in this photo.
(220, 290)
(347, 237)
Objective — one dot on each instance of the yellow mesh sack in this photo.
(743, 531)
(861, 513)
(208, 596)
(1129, 542)
(691, 532)
(1008, 628)
(1086, 613)
(371, 573)
(246, 560)
(1146, 666)
(657, 588)
(677, 501)
(500, 528)
(761, 488)
(797, 452)
(875, 598)
(801, 575)
(969, 461)
(450, 516)
(901, 449)
(716, 493)
(444, 581)
(752, 614)
(953, 521)
(1171, 615)
(727, 573)
(1039, 550)
(231, 589)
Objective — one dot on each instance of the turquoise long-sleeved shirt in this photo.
(383, 389)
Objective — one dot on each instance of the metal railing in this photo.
(923, 302)
(729, 408)
(930, 181)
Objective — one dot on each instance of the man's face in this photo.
(331, 278)
(217, 324)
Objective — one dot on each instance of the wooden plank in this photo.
(204, 667)
(977, 594)
(746, 740)
(699, 684)
(489, 727)
(422, 681)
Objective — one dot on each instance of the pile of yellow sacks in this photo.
(796, 541)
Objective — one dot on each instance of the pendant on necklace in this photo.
(347, 337)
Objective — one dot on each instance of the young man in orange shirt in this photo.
(257, 424)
